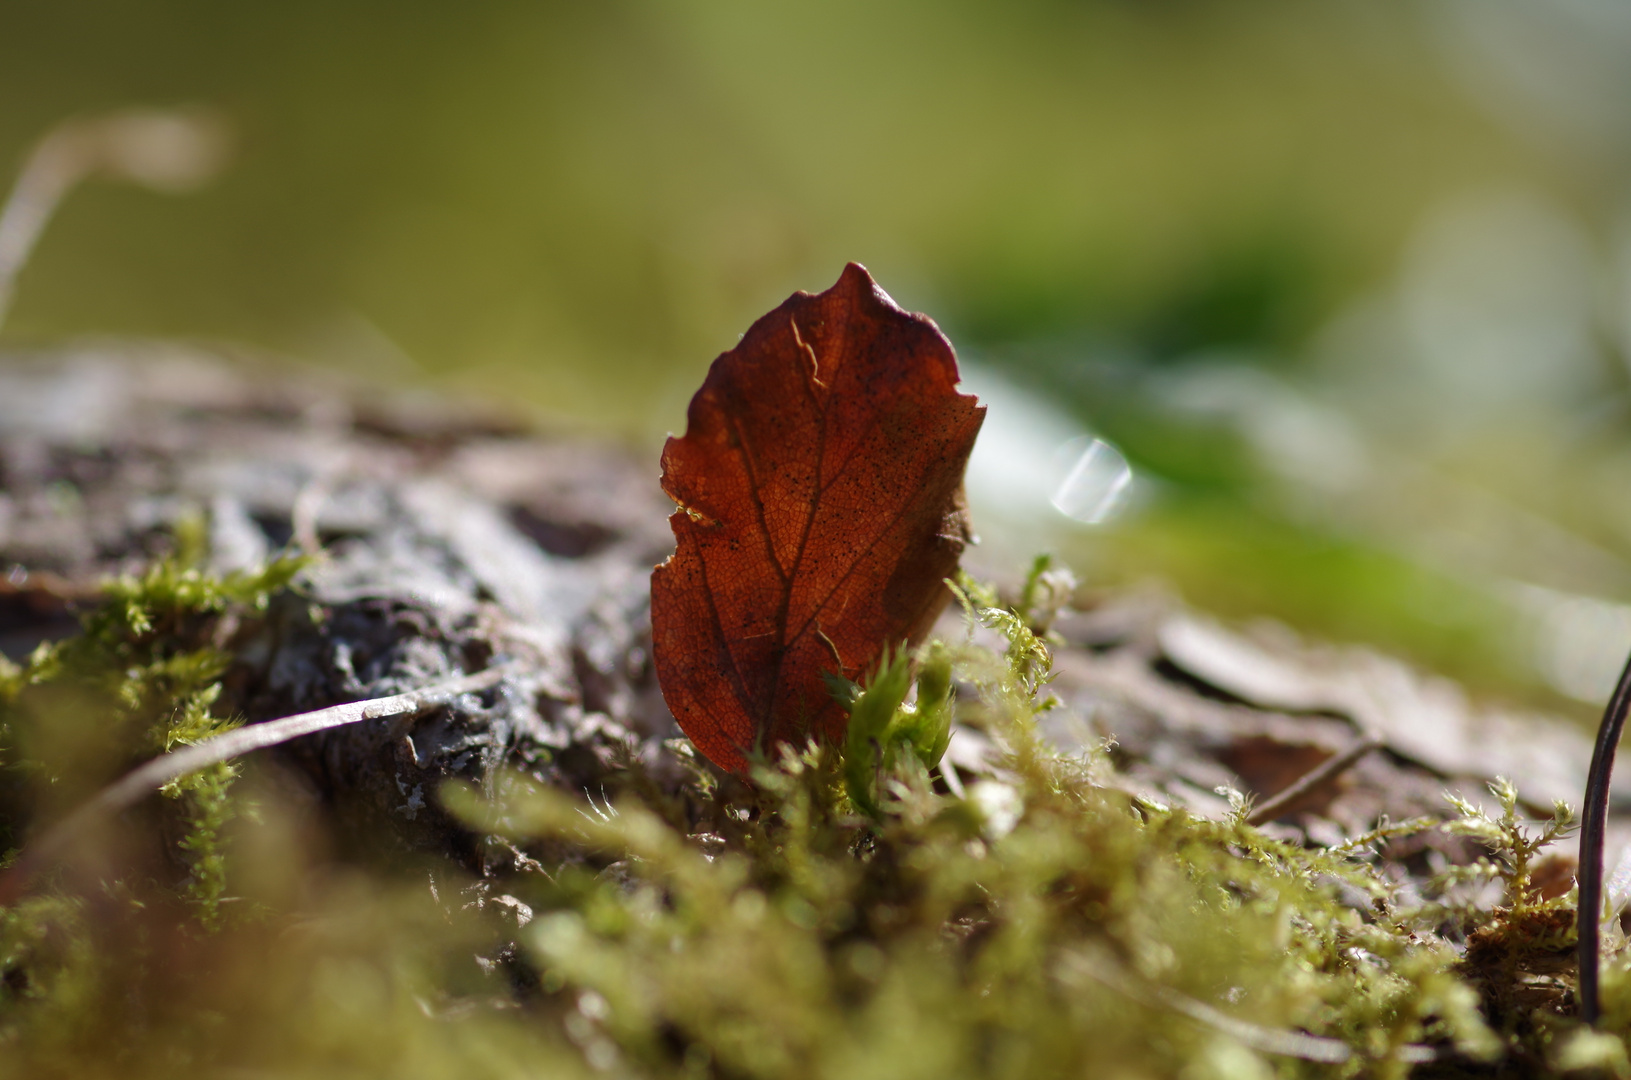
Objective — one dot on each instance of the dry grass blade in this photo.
(165, 151)
(148, 778)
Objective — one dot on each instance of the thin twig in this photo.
(1594, 825)
(1265, 1040)
(1316, 778)
(142, 781)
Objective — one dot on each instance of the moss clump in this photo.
(823, 921)
(140, 679)
(1042, 925)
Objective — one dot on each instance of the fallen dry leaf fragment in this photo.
(819, 482)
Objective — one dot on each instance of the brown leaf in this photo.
(820, 489)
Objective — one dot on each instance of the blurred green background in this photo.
(1345, 282)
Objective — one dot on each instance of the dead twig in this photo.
(1313, 780)
(148, 778)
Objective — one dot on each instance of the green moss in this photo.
(1041, 926)
(823, 921)
(140, 679)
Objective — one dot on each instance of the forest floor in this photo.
(1369, 823)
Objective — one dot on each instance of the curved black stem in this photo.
(1594, 824)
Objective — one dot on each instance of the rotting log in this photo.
(452, 540)
(455, 539)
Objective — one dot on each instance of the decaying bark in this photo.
(451, 541)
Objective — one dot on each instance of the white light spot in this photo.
(999, 804)
(1093, 488)
(1580, 642)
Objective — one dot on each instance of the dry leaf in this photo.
(820, 490)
